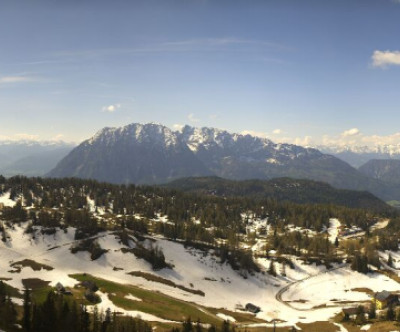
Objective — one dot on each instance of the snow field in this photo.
(223, 287)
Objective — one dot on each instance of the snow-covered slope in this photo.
(304, 287)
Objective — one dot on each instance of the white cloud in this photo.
(384, 59)
(254, 133)
(350, 132)
(111, 108)
(303, 141)
(15, 79)
(392, 139)
(192, 118)
(58, 137)
(177, 127)
(277, 131)
(25, 136)
(262, 134)
(350, 137)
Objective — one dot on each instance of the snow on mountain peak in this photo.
(150, 132)
(196, 138)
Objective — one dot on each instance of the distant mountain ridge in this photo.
(31, 158)
(153, 154)
(386, 170)
(359, 155)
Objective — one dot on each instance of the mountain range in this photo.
(357, 156)
(154, 154)
(31, 158)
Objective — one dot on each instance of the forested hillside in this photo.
(281, 189)
(204, 246)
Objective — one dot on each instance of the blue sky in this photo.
(307, 72)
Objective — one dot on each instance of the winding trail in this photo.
(283, 290)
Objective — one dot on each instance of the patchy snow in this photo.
(91, 204)
(341, 327)
(223, 287)
(163, 219)
(365, 327)
(17, 300)
(312, 292)
(333, 230)
(107, 304)
(395, 258)
(133, 298)
(5, 199)
(226, 317)
(380, 224)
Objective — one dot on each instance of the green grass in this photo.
(153, 303)
(39, 288)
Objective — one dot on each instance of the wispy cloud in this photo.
(20, 137)
(28, 137)
(57, 137)
(192, 118)
(350, 137)
(383, 59)
(273, 134)
(111, 108)
(225, 44)
(15, 79)
(224, 41)
(350, 132)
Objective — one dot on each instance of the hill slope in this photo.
(385, 170)
(281, 189)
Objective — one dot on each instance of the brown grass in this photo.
(35, 266)
(318, 327)
(155, 278)
(35, 283)
(363, 290)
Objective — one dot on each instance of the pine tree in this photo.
(96, 319)
(271, 269)
(372, 311)
(390, 313)
(26, 320)
(225, 326)
(187, 325)
(390, 260)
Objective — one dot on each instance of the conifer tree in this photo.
(26, 320)
(390, 260)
